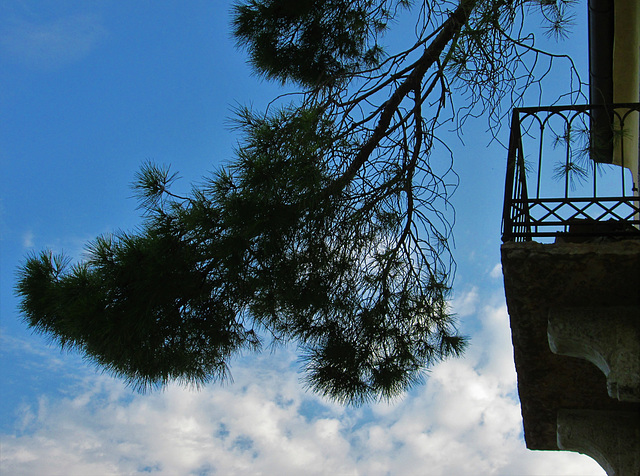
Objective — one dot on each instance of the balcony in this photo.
(562, 179)
(571, 265)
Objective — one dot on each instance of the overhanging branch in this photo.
(449, 30)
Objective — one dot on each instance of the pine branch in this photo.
(431, 54)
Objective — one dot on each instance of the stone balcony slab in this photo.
(541, 277)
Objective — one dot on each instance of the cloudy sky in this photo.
(91, 90)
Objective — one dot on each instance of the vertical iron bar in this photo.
(540, 145)
(507, 219)
(568, 168)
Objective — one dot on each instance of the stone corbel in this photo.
(610, 438)
(608, 337)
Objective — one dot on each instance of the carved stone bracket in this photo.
(610, 438)
(608, 337)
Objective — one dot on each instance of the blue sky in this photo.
(91, 90)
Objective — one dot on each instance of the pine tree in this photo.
(329, 230)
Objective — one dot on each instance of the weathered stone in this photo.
(610, 438)
(539, 277)
(608, 337)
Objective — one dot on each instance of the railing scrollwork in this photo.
(570, 175)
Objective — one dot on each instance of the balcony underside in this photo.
(540, 278)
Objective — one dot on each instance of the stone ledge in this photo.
(539, 277)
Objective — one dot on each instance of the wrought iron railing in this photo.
(558, 182)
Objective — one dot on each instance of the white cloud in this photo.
(496, 272)
(27, 239)
(464, 421)
(52, 43)
(465, 302)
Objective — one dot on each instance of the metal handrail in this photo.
(560, 187)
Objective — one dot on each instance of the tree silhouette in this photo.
(331, 228)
